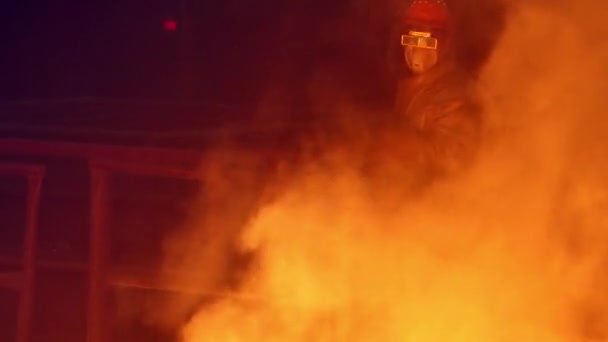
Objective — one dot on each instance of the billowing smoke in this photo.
(513, 250)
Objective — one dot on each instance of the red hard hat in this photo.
(427, 13)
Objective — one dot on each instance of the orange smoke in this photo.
(508, 252)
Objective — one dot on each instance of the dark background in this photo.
(70, 48)
(112, 65)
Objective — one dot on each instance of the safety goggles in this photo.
(419, 39)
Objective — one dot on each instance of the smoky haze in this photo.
(513, 250)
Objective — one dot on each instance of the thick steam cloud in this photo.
(511, 251)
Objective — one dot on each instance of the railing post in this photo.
(28, 286)
(97, 329)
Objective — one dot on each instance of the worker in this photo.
(436, 99)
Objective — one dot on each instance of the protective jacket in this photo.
(442, 113)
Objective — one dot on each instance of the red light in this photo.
(170, 25)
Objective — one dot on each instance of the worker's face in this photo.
(420, 60)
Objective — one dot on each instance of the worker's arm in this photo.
(451, 131)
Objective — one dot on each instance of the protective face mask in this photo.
(420, 60)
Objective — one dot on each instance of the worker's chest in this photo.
(433, 104)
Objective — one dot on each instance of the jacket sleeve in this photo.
(450, 130)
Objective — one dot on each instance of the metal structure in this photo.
(24, 280)
(99, 279)
(103, 161)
